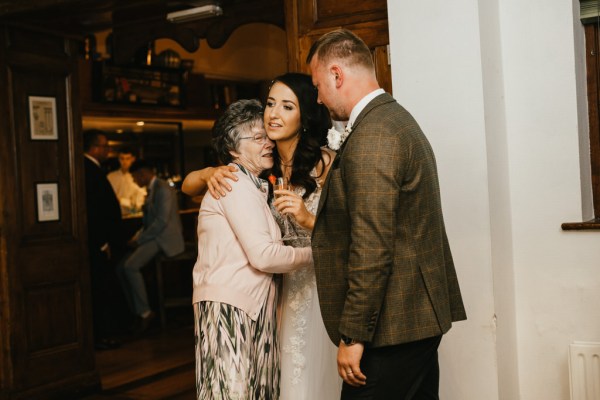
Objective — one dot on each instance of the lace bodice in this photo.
(311, 204)
(308, 357)
(299, 293)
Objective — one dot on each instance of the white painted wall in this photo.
(437, 76)
(494, 85)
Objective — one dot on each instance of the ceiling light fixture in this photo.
(192, 14)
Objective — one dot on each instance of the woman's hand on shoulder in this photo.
(217, 180)
(213, 179)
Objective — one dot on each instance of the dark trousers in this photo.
(108, 302)
(407, 371)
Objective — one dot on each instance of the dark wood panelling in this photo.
(42, 263)
(306, 21)
(45, 320)
(329, 9)
(592, 49)
(7, 225)
(45, 328)
(383, 67)
(28, 42)
(51, 156)
(319, 14)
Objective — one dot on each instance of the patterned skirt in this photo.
(236, 358)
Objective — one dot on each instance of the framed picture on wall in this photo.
(42, 118)
(47, 202)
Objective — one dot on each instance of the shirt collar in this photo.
(152, 182)
(260, 183)
(362, 104)
(92, 159)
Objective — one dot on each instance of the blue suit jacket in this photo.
(161, 219)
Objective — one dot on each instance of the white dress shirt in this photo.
(362, 104)
(130, 195)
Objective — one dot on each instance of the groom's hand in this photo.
(348, 361)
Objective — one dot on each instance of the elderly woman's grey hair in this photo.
(237, 121)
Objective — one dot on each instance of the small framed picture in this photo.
(42, 118)
(47, 202)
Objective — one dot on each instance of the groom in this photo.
(386, 280)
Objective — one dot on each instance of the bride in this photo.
(298, 125)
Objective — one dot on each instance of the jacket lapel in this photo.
(148, 207)
(324, 192)
(380, 100)
(383, 98)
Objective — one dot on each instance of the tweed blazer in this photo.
(384, 269)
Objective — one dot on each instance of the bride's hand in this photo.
(216, 180)
(291, 203)
(212, 178)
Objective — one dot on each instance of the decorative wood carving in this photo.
(135, 23)
(133, 30)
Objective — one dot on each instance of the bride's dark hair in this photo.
(314, 123)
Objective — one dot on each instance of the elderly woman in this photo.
(239, 250)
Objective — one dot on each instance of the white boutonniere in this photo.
(335, 138)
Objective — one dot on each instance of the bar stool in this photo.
(187, 259)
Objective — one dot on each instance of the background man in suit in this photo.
(161, 231)
(386, 280)
(104, 226)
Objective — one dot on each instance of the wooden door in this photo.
(307, 20)
(45, 313)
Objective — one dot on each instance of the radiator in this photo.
(584, 370)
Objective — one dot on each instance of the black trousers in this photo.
(109, 309)
(407, 371)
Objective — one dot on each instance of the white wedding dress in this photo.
(308, 357)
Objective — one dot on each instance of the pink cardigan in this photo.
(239, 248)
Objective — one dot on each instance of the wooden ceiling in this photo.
(135, 23)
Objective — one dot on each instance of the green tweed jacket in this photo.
(384, 270)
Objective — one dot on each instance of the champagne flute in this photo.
(282, 184)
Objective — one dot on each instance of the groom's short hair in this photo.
(341, 44)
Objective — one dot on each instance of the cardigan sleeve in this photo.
(249, 217)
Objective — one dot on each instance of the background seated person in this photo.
(130, 195)
(161, 232)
